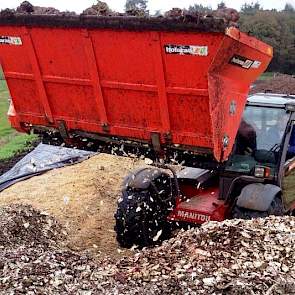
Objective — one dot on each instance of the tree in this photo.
(199, 8)
(136, 5)
(289, 8)
(251, 9)
(276, 28)
(221, 5)
(157, 13)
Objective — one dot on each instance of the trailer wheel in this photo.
(141, 217)
(276, 208)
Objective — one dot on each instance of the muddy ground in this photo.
(6, 165)
(9, 163)
(82, 197)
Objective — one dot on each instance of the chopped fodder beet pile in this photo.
(99, 9)
(27, 8)
(228, 15)
(232, 257)
(22, 225)
(39, 270)
(282, 84)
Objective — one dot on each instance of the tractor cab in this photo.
(265, 130)
(263, 155)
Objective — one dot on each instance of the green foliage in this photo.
(221, 5)
(157, 13)
(276, 28)
(266, 76)
(136, 5)
(200, 8)
(18, 143)
(5, 128)
(289, 8)
(250, 9)
(11, 142)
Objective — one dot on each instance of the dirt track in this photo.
(82, 197)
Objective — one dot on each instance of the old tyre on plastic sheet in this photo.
(141, 217)
(276, 208)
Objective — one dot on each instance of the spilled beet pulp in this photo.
(233, 257)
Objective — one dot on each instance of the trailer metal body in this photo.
(160, 82)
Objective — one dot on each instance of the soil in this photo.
(83, 198)
(6, 165)
(9, 163)
(282, 84)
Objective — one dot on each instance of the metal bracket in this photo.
(63, 129)
(156, 142)
(105, 127)
(225, 141)
(168, 137)
(233, 108)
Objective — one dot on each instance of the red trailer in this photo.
(158, 81)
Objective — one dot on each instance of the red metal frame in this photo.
(37, 76)
(161, 82)
(95, 78)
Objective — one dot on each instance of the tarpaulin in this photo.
(43, 158)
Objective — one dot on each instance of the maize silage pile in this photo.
(232, 257)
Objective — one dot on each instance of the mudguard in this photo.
(258, 196)
(191, 173)
(142, 178)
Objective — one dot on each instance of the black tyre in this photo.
(141, 217)
(276, 208)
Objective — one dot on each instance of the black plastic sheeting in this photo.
(42, 159)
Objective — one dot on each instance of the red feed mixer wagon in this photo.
(172, 86)
(151, 81)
